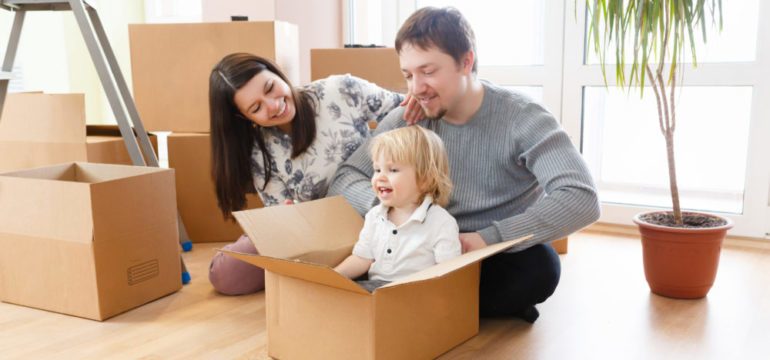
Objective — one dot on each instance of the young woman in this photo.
(282, 142)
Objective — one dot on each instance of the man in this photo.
(515, 171)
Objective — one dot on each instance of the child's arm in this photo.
(362, 258)
(354, 266)
(447, 244)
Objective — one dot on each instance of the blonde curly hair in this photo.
(423, 149)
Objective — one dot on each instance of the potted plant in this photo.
(681, 249)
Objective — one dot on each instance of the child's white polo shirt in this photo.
(428, 237)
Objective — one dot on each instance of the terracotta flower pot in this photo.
(681, 262)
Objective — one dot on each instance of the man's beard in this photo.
(440, 114)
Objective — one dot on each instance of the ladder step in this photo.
(6, 75)
(40, 5)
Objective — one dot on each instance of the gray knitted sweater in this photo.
(515, 172)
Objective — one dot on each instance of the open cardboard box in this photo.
(39, 129)
(314, 312)
(90, 240)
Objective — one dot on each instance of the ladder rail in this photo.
(128, 101)
(105, 76)
(10, 54)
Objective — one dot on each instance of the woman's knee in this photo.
(231, 276)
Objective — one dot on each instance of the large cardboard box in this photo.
(313, 312)
(90, 240)
(378, 65)
(104, 145)
(561, 245)
(39, 129)
(171, 63)
(190, 156)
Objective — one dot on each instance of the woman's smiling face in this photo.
(266, 100)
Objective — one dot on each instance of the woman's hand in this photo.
(413, 112)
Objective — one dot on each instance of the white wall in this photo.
(320, 26)
(319, 21)
(221, 10)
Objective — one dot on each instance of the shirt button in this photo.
(395, 232)
(388, 251)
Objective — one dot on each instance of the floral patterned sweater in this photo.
(344, 106)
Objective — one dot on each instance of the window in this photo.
(736, 43)
(722, 126)
(626, 151)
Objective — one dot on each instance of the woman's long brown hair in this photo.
(233, 136)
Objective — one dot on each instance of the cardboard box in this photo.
(90, 240)
(560, 245)
(378, 65)
(39, 129)
(190, 156)
(104, 145)
(312, 311)
(171, 64)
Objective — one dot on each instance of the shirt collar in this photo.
(418, 215)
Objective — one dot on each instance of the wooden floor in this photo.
(601, 310)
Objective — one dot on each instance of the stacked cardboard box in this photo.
(78, 238)
(39, 129)
(378, 65)
(171, 64)
(190, 156)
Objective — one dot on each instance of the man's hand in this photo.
(471, 241)
(413, 112)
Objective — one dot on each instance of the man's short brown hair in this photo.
(443, 28)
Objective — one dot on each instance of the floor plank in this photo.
(601, 309)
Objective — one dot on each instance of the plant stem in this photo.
(672, 176)
(657, 98)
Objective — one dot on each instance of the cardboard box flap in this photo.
(49, 118)
(83, 172)
(46, 203)
(92, 173)
(329, 258)
(319, 274)
(290, 231)
(65, 171)
(458, 262)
